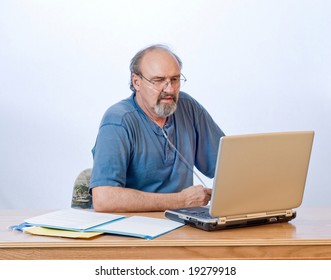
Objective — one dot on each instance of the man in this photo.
(148, 144)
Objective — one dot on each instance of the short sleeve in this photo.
(111, 155)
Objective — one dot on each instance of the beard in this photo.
(165, 109)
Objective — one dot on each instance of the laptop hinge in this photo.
(224, 220)
(221, 220)
(289, 213)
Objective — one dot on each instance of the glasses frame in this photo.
(182, 79)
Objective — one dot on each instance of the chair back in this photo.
(81, 197)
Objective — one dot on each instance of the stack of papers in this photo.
(77, 223)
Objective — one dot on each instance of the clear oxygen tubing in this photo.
(183, 158)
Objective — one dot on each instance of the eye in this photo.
(158, 80)
(175, 79)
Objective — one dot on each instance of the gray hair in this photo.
(135, 61)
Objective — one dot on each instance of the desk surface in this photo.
(306, 237)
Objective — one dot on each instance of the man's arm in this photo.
(118, 199)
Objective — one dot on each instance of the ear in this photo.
(136, 81)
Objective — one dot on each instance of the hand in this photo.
(195, 196)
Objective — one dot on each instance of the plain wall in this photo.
(257, 66)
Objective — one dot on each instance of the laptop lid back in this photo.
(260, 173)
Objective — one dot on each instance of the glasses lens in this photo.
(160, 84)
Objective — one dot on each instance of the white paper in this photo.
(73, 219)
(139, 226)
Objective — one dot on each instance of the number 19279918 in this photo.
(213, 270)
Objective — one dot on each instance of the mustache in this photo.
(166, 95)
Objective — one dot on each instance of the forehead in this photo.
(159, 62)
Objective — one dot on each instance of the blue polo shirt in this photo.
(131, 151)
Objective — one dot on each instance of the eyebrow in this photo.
(164, 77)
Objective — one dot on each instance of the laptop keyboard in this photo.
(200, 212)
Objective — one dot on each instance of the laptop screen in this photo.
(260, 172)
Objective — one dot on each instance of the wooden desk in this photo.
(306, 237)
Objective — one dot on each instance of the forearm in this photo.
(118, 199)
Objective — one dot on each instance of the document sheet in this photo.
(80, 220)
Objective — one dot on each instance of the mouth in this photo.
(168, 98)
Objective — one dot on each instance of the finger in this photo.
(208, 191)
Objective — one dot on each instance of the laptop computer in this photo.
(259, 179)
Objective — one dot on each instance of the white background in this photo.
(257, 66)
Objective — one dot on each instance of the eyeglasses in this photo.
(160, 83)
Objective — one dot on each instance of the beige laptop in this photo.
(259, 179)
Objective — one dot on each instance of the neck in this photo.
(160, 122)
